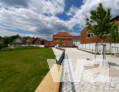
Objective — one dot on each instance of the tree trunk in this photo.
(102, 47)
(115, 50)
(110, 48)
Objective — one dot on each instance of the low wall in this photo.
(110, 47)
(48, 84)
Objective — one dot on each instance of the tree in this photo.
(60, 43)
(114, 37)
(8, 40)
(99, 22)
(5, 41)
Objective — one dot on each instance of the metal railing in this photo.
(61, 58)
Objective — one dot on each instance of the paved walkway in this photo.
(57, 53)
(84, 76)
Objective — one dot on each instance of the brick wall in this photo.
(94, 39)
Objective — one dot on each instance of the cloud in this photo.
(39, 16)
(30, 21)
(84, 11)
(23, 3)
(9, 33)
(72, 11)
(50, 7)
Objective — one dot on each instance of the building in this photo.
(19, 41)
(88, 40)
(76, 40)
(39, 41)
(30, 41)
(60, 39)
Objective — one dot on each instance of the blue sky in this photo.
(43, 18)
(69, 4)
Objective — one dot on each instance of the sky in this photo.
(43, 18)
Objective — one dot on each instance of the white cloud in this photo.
(72, 11)
(48, 6)
(30, 16)
(88, 5)
(9, 33)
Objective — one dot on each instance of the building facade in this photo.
(60, 39)
(76, 41)
(30, 41)
(89, 40)
(19, 41)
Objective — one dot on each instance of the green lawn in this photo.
(22, 70)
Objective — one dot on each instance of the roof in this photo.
(32, 39)
(22, 39)
(115, 18)
(62, 34)
(76, 37)
(40, 39)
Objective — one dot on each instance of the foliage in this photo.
(114, 36)
(100, 23)
(5, 41)
(60, 43)
(8, 40)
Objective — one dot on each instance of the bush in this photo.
(0, 46)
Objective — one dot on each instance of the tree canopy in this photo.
(99, 22)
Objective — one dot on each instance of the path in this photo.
(75, 54)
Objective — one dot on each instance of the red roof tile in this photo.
(22, 39)
(62, 34)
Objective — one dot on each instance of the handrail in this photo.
(61, 58)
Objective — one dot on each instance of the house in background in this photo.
(76, 41)
(29, 41)
(88, 40)
(39, 41)
(19, 41)
(60, 38)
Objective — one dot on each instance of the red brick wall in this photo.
(94, 39)
(65, 42)
(60, 36)
(52, 44)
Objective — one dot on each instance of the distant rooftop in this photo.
(63, 34)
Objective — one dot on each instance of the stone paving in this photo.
(57, 53)
(85, 85)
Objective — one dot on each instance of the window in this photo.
(90, 34)
(68, 45)
(62, 39)
(48, 43)
(56, 39)
(69, 40)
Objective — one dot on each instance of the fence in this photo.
(110, 47)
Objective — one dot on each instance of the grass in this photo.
(21, 70)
